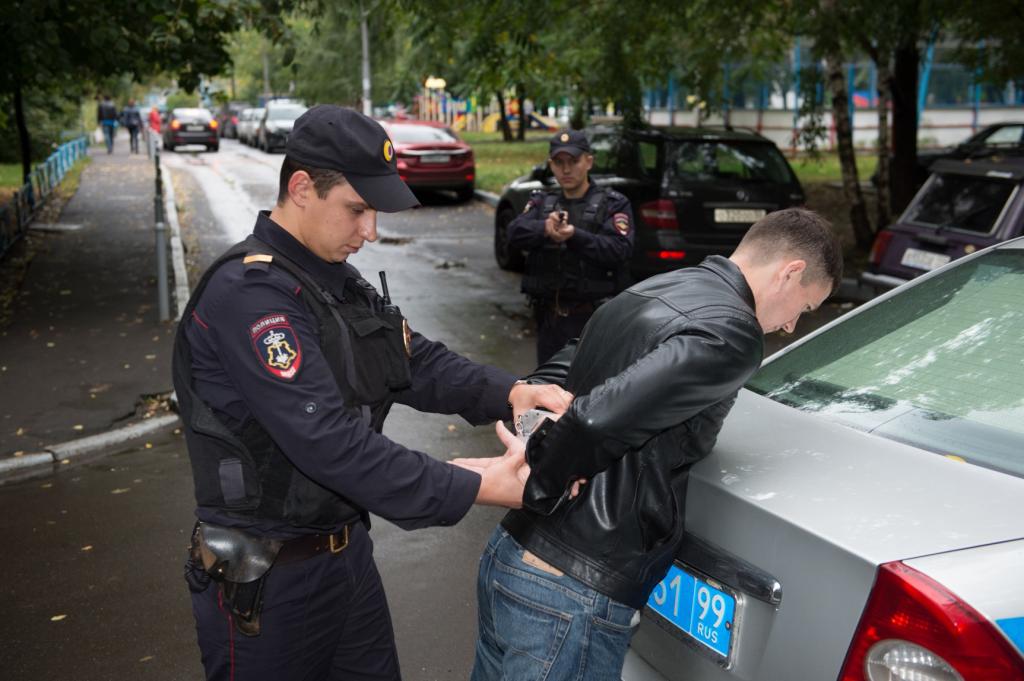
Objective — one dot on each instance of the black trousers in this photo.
(324, 619)
(133, 137)
(555, 330)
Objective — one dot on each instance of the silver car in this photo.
(862, 515)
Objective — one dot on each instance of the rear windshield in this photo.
(964, 202)
(717, 160)
(938, 366)
(198, 115)
(420, 134)
(285, 113)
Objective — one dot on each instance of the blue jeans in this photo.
(537, 625)
(108, 136)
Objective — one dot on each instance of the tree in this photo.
(49, 44)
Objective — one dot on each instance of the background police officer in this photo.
(286, 363)
(578, 240)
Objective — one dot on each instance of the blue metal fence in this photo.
(17, 213)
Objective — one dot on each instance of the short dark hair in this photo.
(799, 233)
(323, 179)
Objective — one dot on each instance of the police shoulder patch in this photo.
(277, 346)
(621, 222)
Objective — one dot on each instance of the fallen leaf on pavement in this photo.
(120, 490)
(19, 431)
(147, 658)
(57, 618)
(150, 356)
(451, 427)
(87, 548)
(78, 426)
(149, 445)
(19, 453)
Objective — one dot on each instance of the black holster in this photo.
(238, 563)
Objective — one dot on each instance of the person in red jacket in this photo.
(154, 120)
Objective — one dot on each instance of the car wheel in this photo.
(215, 147)
(169, 147)
(507, 259)
(464, 194)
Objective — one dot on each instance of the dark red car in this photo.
(431, 156)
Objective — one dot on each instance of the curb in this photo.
(181, 288)
(72, 449)
(490, 198)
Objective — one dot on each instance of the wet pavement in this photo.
(85, 343)
(94, 589)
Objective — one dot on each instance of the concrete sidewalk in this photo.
(84, 346)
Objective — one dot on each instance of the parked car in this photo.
(1006, 138)
(963, 207)
(431, 156)
(248, 119)
(190, 126)
(861, 517)
(227, 117)
(694, 191)
(276, 124)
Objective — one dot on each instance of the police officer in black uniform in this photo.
(286, 364)
(578, 240)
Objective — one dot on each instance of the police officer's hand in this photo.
(502, 478)
(556, 229)
(524, 397)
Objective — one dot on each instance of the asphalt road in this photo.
(91, 585)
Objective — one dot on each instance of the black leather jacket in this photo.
(654, 374)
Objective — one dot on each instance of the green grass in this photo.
(10, 175)
(498, 162)
(826, 167)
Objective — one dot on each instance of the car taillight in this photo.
(667, 255)
(175, 125)
(213, 124)
(660, 214)
(878, 248)
(913, 628)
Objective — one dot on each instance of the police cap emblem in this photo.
(389, 151)
(564, 137)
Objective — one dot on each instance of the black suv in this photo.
(694, 191)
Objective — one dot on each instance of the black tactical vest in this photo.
(554, 270)
(243, 473)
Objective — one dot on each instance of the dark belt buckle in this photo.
(337, 546)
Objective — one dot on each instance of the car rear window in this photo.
(420, 134)
(192, 115)
(969, 202)
(717, 160)
(938, 366)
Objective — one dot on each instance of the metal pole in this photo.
(160, 231)
(367, 101)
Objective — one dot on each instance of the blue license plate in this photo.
(701, 611)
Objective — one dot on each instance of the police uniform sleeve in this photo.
(613, 243)
(444, 382)
(267, 345)
(526, 231)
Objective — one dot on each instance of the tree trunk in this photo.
(580, 111)
(506, 133)
(521, 96)
(24, 142)
(904, 124)
(862, 231)
(884, 175)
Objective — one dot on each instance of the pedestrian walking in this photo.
(656, 371)
(131, 118)
(578, 240)
(286, 364)
(106, 116)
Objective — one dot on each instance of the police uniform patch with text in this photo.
(621, 222)
(277, 346)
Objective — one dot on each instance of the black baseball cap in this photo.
(572, 142)
(338, 138)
